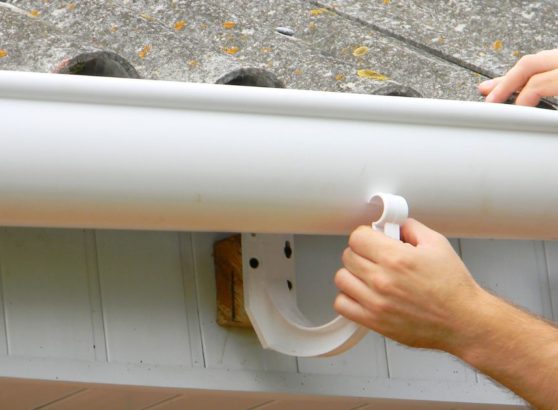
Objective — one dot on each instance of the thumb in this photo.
(415, 233)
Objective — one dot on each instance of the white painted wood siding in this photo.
(47, 308)
(143, 290)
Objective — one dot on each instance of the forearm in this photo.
(514, 348)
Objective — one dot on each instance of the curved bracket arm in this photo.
(270, 291)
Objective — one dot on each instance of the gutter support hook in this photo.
(270, 291)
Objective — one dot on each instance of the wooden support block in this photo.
(227, 255)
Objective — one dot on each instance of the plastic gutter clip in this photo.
(270, 292)
(393, 210)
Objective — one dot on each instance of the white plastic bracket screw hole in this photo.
(270, 291)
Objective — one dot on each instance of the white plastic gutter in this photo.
(80, 151)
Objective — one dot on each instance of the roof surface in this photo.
(439, 48)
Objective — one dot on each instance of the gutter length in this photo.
(94, 152)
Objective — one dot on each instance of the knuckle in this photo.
(534, 83)
(346, 256)
(440, 239)
(357, 236)
(340, 279)
(397, 261)
(527, 61)
(547, 53)
(339, 303)
(381, 284)
(379, 306)
(390, 261)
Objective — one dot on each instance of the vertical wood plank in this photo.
(46, 290)
(191, 298)
(515, 270)
(4, 348)
(142, 290)
(227, 348)
(97, 320)
(317, 259)
(551, 248)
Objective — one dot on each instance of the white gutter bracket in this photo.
(270, 291)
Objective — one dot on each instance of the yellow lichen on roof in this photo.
(180, 25)
(229, 24)
(144, 51)
(34, 13)
(360, 51)
(497, 45)
(317, 12)
(232, 50)
(372, 75)
(3, 53)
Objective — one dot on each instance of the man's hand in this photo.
(534, 77)
(416, 292)
(420, 293)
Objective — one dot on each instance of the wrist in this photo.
(495, 326)
(511, 346)
(474, 324)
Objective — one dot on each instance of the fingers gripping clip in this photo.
(393, 210)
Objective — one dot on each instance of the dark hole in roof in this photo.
(252, 77)
(99, 63)
(398, 90)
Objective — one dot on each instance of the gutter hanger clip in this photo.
(270, 291)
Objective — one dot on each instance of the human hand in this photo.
(418, 293)
(534, 76)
